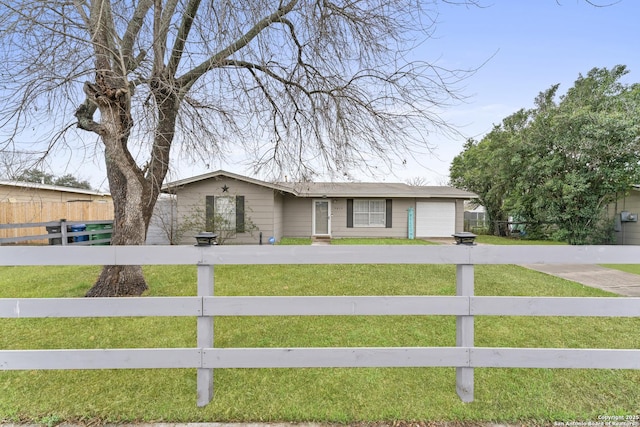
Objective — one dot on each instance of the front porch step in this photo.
(320, 240)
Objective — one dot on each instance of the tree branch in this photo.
(101, 28)
(182, 36)
(79, 7)
(214, 61)
(84, 113)
(268, 72)
(164, 21)
(131, 34)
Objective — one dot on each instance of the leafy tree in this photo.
(299, 85)
(40, 177)
(579, 154)
(35, 175)
(562, 162)
(485, 168)
(69, 180)
(468, 171)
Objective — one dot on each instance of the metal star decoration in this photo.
(225, 189)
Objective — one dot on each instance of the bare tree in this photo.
(417, 181)
(12, 163)
(299, 85)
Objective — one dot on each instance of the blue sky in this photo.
(525, 45)
(529, 46)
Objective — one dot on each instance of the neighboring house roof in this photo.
(340, 189)
(36, 186)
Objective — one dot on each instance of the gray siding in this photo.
(163, 222)
(398, 214)
(629, 233)
(459, 215)
(297, 216)
(259, 206)
(283, 214)
(278, 217)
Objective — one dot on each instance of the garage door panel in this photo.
(435, 219)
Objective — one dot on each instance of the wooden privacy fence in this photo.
(205, 357)
(21, 213)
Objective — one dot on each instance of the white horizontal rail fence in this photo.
(464, 357)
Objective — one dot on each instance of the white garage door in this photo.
(435, 219)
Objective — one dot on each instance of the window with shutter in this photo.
(225, 213)
(368, 213)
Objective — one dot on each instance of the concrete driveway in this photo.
(595, 276)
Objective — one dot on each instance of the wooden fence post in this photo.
(63, 231)
(464, 331)
(205, 335)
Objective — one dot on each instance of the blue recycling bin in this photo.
(79, 227)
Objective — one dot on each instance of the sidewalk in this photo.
(595, 276)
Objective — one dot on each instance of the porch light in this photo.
(206, 238)
(464, 238)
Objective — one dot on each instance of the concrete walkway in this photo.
(595, 276)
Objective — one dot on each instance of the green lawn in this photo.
(629, 268)
(482, 239)
(356, 241)
(497, 240)
(323, 395)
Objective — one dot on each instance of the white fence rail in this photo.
(465, 306)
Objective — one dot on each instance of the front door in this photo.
(321, 217)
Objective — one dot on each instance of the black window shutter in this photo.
(209, 213)
(349, 213)
(239, 214)
(388, 215)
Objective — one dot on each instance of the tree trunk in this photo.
(126, 183)
(497, 221)
(118, 281)
(133, 203)
(134, 192)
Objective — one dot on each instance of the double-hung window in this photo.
(225, 213)
(369, 213)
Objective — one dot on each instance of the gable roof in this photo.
(182, 182)
(36, 186)
(338, 189)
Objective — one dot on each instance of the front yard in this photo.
(322, 395)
